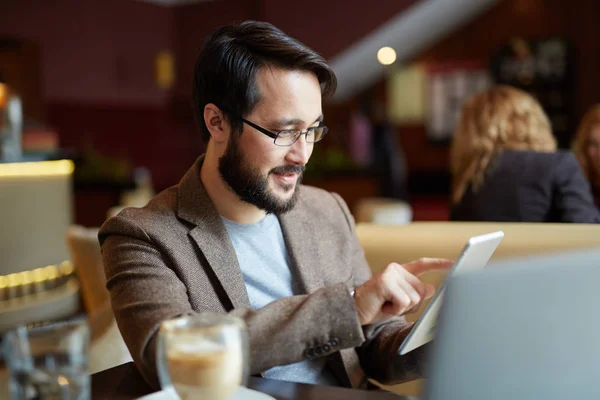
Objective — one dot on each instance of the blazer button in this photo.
(334, 342)
(326, 348)
(310, 353)
(319, 350)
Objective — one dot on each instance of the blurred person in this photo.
(389, 161)
(505, 165)
(586, 147)
(239, 234)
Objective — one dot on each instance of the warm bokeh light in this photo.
(3, 94)
(35, 169)
(386, 55)
(24, 282)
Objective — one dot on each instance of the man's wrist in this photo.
(353, 295)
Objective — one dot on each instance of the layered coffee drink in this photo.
(200, 368)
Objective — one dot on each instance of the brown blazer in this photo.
(174, 257)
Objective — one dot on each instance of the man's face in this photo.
(258, 171)
(593, 149)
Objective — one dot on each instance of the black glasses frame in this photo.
(297, 132)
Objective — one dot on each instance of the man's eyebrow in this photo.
(296, 121)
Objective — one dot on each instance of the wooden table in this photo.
(124, 382)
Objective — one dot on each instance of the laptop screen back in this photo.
(527, 328)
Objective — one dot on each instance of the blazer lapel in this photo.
(302, 247)
(210, 235)
(218, 250)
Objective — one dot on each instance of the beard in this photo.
(251, 185)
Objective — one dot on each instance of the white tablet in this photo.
(474, 256)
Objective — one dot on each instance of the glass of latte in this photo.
(203, 356)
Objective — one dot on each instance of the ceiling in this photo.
(409, 32)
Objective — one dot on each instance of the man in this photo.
(239, 234)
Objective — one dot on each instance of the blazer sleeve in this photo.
(378, 354)
(145, 291)
(572, 193)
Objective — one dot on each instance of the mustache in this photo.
(288, 169)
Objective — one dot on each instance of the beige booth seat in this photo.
(107, 346)
(384, 244)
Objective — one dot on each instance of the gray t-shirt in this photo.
(265, 264)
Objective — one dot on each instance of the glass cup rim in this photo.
(200, 321)
(62, 328)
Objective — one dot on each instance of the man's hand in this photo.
(396, 290)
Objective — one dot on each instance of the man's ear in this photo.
(216, 123)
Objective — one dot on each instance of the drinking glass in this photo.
(48, 362)
(203, 356)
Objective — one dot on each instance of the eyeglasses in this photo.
(289, 136)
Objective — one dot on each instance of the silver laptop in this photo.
(526, 328)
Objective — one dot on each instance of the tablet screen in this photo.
(475, 255)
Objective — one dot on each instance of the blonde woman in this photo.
(587, 148)
(505, 165)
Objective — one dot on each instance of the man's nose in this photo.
(300, 151)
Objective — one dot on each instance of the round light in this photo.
(386, 55)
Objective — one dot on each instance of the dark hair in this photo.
(226, 69)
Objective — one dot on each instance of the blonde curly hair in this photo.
(590, 119)
(500, 118)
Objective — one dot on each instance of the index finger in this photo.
(421, 265)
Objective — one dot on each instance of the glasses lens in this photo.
(286, 138)
(315, 134)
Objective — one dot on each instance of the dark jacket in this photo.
(528, 186)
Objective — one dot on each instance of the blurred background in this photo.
(95, 114)
(106, 83)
